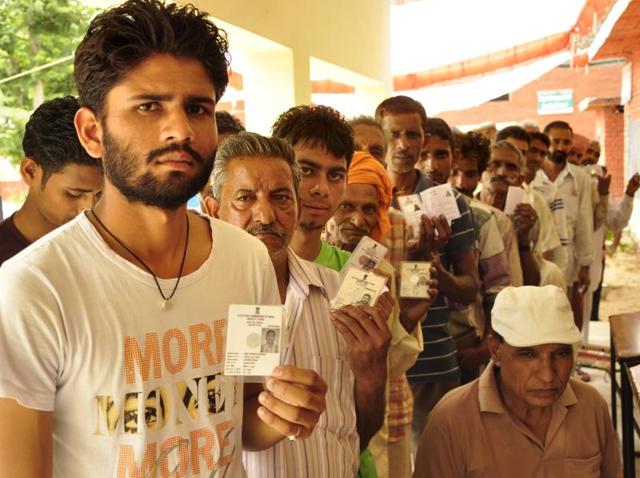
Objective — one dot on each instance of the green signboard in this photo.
(555, 102)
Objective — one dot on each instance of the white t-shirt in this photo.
(135, 390)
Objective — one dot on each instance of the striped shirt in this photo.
(574, 187)
(311, 341)
(438, 362)
(493, 270)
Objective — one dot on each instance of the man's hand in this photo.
(633, 185)
(604, 182)
(413, 311)
(434, 235)
(368, 337)
(584, 279)
(525, 218)
(293, 401)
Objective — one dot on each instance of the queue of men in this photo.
(115, 300)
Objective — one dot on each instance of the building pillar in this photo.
(273, 82)
(610, 124)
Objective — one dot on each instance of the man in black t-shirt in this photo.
(62, 178)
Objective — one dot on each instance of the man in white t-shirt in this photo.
(112, 327)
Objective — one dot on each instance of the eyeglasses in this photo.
(495, 165)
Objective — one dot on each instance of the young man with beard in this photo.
(575, 188)
(436, 371)
(256, 183)
(62, 178)
(133, 298)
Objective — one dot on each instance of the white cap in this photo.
(528, 316)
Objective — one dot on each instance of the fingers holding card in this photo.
(293, 402)
(253, 340)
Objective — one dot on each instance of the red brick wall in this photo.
(596, 81)
(236, 108)
(610, 131)
(633, 107)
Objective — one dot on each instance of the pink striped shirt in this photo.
(311, 341)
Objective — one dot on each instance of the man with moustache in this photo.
(369, 137)
(84, 315)
(436, 371)
(363, 212)
(256, 184)
(547, 204)
(475, 154)
(575, 189)
(535, 233)
(525, 415)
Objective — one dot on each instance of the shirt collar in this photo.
(423, 182)
(491, 402)
(303, 275)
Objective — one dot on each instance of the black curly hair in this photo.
(316, 126)
(121, 38)
(50, 137)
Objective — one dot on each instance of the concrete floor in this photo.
(601, 381)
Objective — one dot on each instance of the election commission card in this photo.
(441, 200)
(515, 196)
(412, 209)
(414, 279)
(253, 340)
(359, 288)
(367, 254)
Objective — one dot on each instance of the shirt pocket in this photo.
(581, 467)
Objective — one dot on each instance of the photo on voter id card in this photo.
(411, 207)
(367, 254)
(358, 288)
(253, 340)
(414, 279)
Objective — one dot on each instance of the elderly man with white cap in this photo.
(525, 416)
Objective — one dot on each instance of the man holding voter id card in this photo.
(256, 184)
(535, 230)
(361, 225)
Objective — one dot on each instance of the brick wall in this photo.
(595, 81)
(610, 132)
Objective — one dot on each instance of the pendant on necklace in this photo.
(165, 304)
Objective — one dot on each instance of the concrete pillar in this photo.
(268, 88)
(368, 97)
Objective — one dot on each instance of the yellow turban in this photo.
(365, 169)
